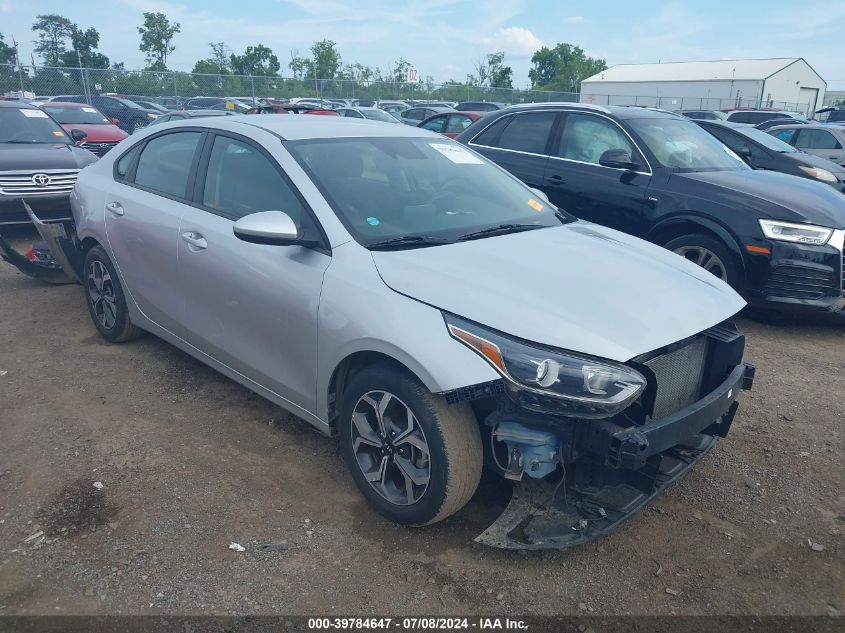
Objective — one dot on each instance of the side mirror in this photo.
(78, 135)
(115, 121)
(540, 194)
(617, 159)
(269, 227)
(744, 151)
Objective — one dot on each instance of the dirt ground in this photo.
(189, 462)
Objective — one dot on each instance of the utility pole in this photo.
(18, 62)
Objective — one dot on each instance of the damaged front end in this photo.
(56, 261)
(578, 473)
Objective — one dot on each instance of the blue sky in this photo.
(442, 38)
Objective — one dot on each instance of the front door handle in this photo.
(556, 180)
(115, 208)
(195, 239)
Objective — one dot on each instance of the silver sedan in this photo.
(393, 287)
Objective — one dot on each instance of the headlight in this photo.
(790, 232)
(818, 173)
(150, 115)
(580, 386)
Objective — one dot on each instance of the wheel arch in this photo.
(676, 226)
(357, 361)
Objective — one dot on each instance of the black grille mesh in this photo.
(679, 374)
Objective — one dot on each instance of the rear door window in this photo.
(165, 163)
(435, 124)
(458, 123)
(816, 139)
(528, 132)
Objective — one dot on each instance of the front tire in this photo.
(709, 253)
(105, 298)
(414, 457)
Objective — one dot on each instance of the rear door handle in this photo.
(115, 208)
(556, 180)
(195, 239)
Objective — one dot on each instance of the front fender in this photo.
(712, 226)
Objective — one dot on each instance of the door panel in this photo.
(252, 307)
(576, 182)
(143, 226)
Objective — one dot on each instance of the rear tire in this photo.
(710, 253)
(105, 298)
(416, 433)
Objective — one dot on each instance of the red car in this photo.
(102, 134)
(451, 122)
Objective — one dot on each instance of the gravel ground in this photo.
(140, 466)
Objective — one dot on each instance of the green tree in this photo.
(218, 63)
(7, 53)
(256, 60)
(325, 60)
(298, 65)
(156, 34)
(52, 31)
(491, 72)
(501, 76)
(83, 48)
(563, 68)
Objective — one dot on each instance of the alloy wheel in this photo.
(705, 258)
(101, 294)
(390, 448)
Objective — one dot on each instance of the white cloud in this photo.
(514, 40)
(576, 19)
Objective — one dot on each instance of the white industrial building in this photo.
(782, 83)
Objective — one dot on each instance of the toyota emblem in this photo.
(42, 180)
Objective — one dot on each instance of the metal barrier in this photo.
(45, 81)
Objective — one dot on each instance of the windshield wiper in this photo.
(407, 241)
(502, 229)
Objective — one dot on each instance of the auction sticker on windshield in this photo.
(456, 154)
(88, 110)
(34, 114)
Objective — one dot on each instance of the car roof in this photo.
(17, 104)
(621, 112)
(830, 127)
(311, 127)
(67, 104)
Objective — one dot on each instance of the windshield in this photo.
(387, 188)
(766, 140)
(681, 145)
(379, 115)
(18, 125)
(67, 115)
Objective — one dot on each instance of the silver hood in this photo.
(579, 287)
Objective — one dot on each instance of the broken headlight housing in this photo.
(548, 380)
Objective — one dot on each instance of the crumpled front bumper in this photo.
(626, 469)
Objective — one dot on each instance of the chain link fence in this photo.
(44, 81)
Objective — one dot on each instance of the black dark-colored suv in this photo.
(776, 238)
